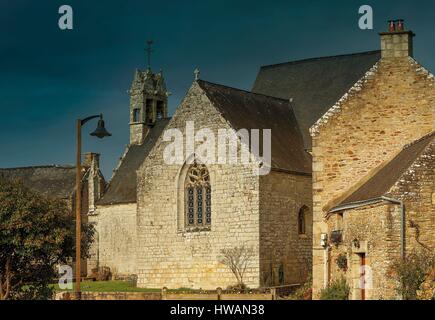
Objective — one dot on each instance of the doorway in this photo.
(362, 275)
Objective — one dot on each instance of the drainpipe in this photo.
(402, 224)
(326, 267)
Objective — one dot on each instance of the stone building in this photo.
(241, 208)
(167, 223)
(140, 217)
(373, 173)
(142, 221)
(59, 182)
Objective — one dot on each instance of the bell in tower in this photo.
(148, 101)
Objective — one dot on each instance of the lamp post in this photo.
(100, 132)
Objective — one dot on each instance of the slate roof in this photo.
(380, 184)
(315, 85)
(122, 187)
(247, 110)
(55, 181)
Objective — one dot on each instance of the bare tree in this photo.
(237, 260)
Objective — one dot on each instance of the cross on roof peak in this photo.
(196, 72)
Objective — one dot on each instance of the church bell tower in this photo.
(148, 101)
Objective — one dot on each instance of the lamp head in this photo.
(101, 131)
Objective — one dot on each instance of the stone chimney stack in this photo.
(397, 42)
(92, 160)
(95, 183)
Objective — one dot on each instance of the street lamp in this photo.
(100, 132)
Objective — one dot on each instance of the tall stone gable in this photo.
(390, 107)
(168, 255)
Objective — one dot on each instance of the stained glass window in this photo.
(198, 196)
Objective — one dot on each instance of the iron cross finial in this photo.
(149, 50)
(196, 72)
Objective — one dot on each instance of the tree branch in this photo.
(8, 276)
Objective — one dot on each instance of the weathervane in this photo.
(149, 50)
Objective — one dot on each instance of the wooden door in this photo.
(363, 276)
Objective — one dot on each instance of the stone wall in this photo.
(416, 188)
(390, 107)
(168, 255)
(377, 228)
(164, 295)
(115, 240)
(282, 249)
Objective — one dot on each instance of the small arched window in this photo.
(197, 196)
(302, 217)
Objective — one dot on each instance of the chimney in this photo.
(95, 183)
(92, 160)
(397, 42)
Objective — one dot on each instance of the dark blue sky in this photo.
(49, 77)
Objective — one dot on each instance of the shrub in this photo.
(412, 272)
(427, 289)
(304, 292)
(337, 290)
(341, 262)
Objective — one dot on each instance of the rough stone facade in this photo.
(377, 227)
(416, 188)
(397, 44)
(391, 107)
(285, 255)
(259, 213)
(115, 240)
(378, 230)
(148, 102)
(167, 254)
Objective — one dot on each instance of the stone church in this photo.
(351, 177)
(351, 173)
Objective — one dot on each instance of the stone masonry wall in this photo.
(393, 106)
(115, 241)
(416, 188)
(282, 248)
(377, 228)
(168, 256)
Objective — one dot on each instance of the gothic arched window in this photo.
(197, 196)
(302, 220)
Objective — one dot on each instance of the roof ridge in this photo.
(322, 58)
(421, 69)
(131, 161)
(426, 136)
(379, 170)
(242, 90)
(64, 166)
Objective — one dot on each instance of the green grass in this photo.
(116, 286)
